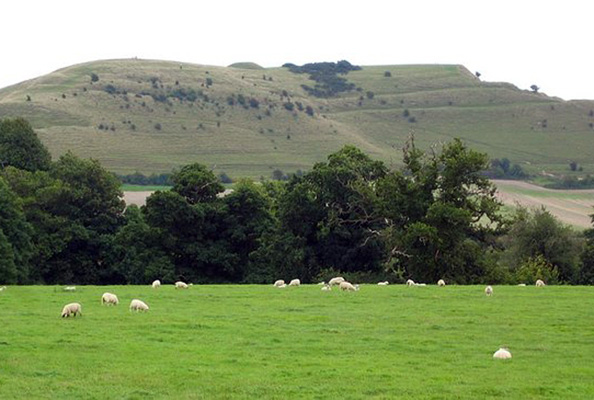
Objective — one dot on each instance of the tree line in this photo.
(437, 216)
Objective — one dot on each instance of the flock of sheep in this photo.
(74, 309)
(501, 354)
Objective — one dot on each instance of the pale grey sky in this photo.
(521, 42)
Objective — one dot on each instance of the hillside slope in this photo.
(151, 116)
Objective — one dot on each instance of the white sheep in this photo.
(347, 286)
(321, 283)
(410, 282)
(441, 282)
(488, 290)
(70, 289)
(502, 354)
(522, 284)
(138, 305)
(109, 298)
(156, 284)
(540, 283)
(295, 282)
(70, 309)
(384, 283)
(336, 281)
(279, 283)
(284, 285)
(326, 288)
(420, 284)
(181, 285)
(3, 288)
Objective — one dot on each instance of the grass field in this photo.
(227, 342)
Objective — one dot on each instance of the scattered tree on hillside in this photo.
(534, 88)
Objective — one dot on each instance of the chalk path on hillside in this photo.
(573, 211)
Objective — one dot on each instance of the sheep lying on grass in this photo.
(522, 284)
(3, 288)
(347, 286)
(70, 289)
(488, 290)
(71, 309)
(384, 283)
(410, 282)
(336, 281)
(441, 282)
(110, 299)
(295, 282)
(540, 283)
(326, 288)
(156, 284)
(138, 305)
(502, 354)
(279, 283)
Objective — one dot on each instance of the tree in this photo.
(534, 88)
(20, 146)
(196, 183)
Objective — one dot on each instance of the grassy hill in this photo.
(151, 116)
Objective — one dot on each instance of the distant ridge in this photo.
(245, 120)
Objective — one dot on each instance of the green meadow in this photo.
(255, 341)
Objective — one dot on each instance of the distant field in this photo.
(573, 207)
(254, 341)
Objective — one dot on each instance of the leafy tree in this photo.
(20, 146)
(196, 183)
(534, 88)
(538, 233)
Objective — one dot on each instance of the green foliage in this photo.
(20, 147)
(196, 183)
(328, 83)
(535, 268)
(503, 169)
(536, 233)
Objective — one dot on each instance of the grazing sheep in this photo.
(540, 283)
(70, 289)
(156, 284)
(410, 282)
(70, 309)
(138, 305)
(295, 282)
(384, 283)
(488, 290)
(336, 281)
(279, 283)
(326, 288)
(3, 288)
(347, 286)
(109, 298)
(181, 285)
(502, 354)
(441, 282)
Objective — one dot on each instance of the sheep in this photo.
(502, 354)
(326, 288)
(384, 283)
(521, 284)
(410, 282)
(295, 282)
(284, 285)
(70, 309)
(347, 286)
(540, 283)
(70, 289)
(138, 305)
(336, 281)
(109, 298)
(420, 284)
(156, 284)
(488, 290)
(279, 283)
(3, 288)
(441, 282)
(321, 283)
(181, 285)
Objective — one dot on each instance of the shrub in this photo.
(94, 77)
(158, 126)
(537, 268)
(387, 74)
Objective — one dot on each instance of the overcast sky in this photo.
(521, 42)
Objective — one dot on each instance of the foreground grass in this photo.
(260, 342)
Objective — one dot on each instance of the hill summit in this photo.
(151, 116)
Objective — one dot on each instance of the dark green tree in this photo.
(20, 147)
(196, 183)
